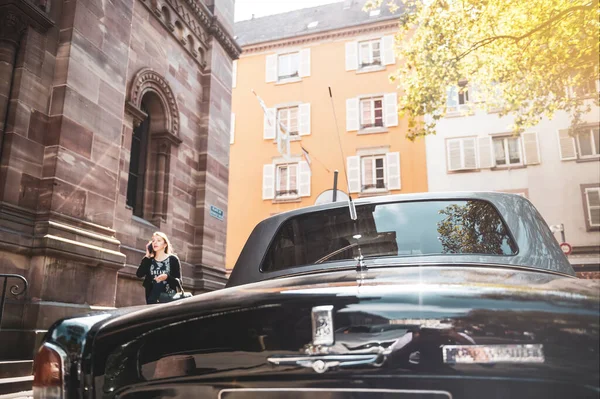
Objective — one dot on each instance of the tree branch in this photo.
(517, 39)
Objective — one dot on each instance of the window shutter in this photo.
(387, 54)
(304, 67)
(304, 179)
(531, 148)
(393, 170)
(234, 74)
(352, 114)
(351, 56)
(451, 99)
(232, 129)
(304, 119)
(454, 158)
(271, 73)
(469, 153)
(268, 181)
(566, 146)
(354, 174)
(269, 124)
(391, 109)
(486, 155)
(475, 93)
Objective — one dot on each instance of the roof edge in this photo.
(348, 30)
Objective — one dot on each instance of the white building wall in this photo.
(553, 186)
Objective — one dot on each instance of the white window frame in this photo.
(289, 56)
(592, 142)
(373, 159)
(593, 86)
(369, 44)
(372, 100)
(462, 140)
(505, 139)
(466, 100)
(590, 207)
(288, 119)
(288, 188)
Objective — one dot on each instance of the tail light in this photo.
(49, 369)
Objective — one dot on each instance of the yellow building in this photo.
(291, 60)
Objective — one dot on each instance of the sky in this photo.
(260, 8)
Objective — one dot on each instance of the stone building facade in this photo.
(114, 123)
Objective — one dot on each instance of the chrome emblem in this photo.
(322, 325)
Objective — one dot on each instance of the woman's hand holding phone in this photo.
(149, 250)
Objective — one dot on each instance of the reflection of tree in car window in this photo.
(474, 227)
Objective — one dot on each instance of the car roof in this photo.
(538, 248)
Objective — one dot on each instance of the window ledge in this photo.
(282, 200)
(292, 138)
(288, 80)
(590, 159)
(143, 221)
(509, 167)
(373, 193)
(459, 114)
(373, 130)
(593, 228)
(463, 171)
(373, 68)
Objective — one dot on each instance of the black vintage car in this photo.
(414, 296)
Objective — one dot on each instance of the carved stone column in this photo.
(12, 27)
(160, 200)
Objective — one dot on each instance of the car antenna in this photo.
(351, 207)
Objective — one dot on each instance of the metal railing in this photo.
(15, 290)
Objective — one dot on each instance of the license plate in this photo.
(330, 393)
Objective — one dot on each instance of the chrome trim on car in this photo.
(321, 364)
(446, 394)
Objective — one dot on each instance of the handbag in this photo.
(179, 293)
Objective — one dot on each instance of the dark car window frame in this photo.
(349, 263)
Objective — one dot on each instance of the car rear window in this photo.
(393, 229)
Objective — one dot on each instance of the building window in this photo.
(462, 154)
(373, 173)
(288, 117)
(286, 181)
(588, 142)
(458, 98)
(288, 66)
(592, 205)
(507, 151)
(137, 166)
(369, 53)
(371, 112)
(588, 88)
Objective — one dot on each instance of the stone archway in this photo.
(160, 108)
(149, 81)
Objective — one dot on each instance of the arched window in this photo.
(153, 107)
(137, 165)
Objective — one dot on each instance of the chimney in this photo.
(252, 16)
(348, 4)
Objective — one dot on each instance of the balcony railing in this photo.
(15, 290)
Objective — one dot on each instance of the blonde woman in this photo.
(160, 268)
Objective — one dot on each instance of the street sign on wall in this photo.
(217, 213)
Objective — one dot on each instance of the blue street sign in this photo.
(216, 212)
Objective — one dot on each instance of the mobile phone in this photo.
(150, 249)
